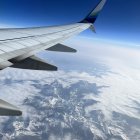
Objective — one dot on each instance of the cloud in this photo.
(118, 100)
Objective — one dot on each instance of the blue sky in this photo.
(118, 21)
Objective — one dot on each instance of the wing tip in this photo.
(92, 16)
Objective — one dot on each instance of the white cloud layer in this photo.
(121, 91)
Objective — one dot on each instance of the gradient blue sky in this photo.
(119, 20)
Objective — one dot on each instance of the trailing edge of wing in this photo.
(61, 48)
(34, 63)
(92, 16)
(7, 109)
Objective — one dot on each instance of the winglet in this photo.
(92, 16)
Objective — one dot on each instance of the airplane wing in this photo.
(18, 47)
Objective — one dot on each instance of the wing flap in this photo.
(61, 48)
(7, 109)
(5, 64)
(34, 63)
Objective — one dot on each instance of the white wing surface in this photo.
(19, 44)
